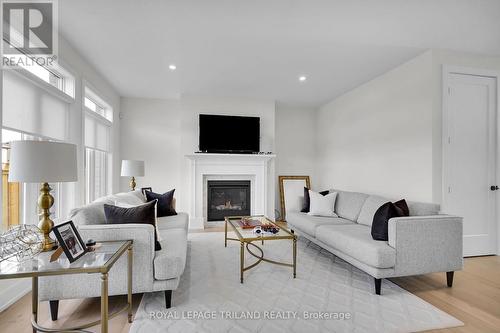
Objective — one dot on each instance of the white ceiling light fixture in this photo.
(172, 67)
(302, 78)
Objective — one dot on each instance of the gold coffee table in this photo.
(98, 262)
(247, 236)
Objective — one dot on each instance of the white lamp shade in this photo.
(132, 168)
(42, 161)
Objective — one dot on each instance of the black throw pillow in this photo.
(402, 208)
(307, 200)
(164, 202)
(380, 225)
(138, 214)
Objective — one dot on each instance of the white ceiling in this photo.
(258, 49)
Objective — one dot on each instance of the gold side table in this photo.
(100, 261)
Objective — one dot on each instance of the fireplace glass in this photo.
(227, 198)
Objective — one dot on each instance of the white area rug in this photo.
(325, 285)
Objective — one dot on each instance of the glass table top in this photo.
(40, 265)
(248, 233)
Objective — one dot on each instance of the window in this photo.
(56, 76)
(98, 124)
(99, 109)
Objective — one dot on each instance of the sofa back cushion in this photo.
(423, 209)
(133, 198)
(371, 205)
(92, 213)
(348, 204)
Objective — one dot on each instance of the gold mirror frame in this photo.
(281, 180)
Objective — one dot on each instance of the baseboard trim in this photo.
(11, 291)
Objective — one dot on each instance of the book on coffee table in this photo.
(248, 223)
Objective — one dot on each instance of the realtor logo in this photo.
(29, 31)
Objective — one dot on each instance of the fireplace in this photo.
(227, 198)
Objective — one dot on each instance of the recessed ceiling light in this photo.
(172, 67)
(302, 78)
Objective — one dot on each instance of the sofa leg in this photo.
(168, 298)
(54, 309)
(378, 283)
(449, 278)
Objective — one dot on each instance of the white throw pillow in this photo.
(322, 205)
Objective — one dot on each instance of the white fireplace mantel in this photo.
(204, 167)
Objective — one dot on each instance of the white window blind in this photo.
(97, 133)
(31, 109)
(98, 148)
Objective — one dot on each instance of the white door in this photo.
(470, 159)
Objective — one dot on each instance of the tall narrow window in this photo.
(98, 126)
(30, 112)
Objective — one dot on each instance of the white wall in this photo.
(385, 136)
(151, 131)
(377, 138)
(162, 132)
(295, 141)
(295, 144)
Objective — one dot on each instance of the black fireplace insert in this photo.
(227, 198)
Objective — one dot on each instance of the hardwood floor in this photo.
(17, 318)
(474, 299)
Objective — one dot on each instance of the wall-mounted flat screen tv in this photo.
(229, 134)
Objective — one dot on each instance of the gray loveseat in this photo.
(152, 270)
(424, 242)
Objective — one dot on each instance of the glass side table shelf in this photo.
(99, 261)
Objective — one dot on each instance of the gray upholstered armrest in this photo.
(427, 243)
(88, 285)
(143, 236)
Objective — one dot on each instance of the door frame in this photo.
(447, 70)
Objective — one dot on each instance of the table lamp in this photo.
(43, 162)
(132, 168)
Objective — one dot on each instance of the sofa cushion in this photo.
(380, 226)
(133, 198)
(372, 203)
(322, 205)
(89, 214)
(308, 223)
(348, 204)
(355, 240)
(169, 263)
(145, 213)
(402, 207)
(179, 221)
(307, 200)
(423, 209)
(165, 200)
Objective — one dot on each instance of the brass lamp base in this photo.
(45, 202)
(132, 184)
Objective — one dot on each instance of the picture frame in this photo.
(70, 241)
(291, 190)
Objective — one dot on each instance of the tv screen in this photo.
(229, 134)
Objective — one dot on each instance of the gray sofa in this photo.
(152, 270)
(424, 242)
